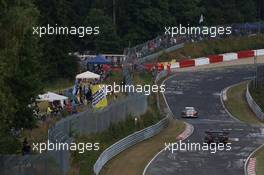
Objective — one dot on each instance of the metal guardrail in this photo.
(127, 142)
(132, 139)
(253, 105)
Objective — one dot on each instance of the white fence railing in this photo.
(253, 105)
(127, 142)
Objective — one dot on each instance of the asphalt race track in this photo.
(202, 90)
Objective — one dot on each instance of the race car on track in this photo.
(216, 137)
(189, 112)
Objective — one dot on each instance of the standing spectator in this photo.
(26, 147)
(168, 69)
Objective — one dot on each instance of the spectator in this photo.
(26, 147)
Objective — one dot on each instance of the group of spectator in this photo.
(165, 41)
(159, 43)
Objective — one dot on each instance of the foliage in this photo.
(20, 70)
(27, 60)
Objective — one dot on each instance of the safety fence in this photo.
(252, 104)
(28, 165)
(127, 142)
(57, 162)
(93, 122)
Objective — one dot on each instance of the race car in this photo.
(216, 137)
(189, 112)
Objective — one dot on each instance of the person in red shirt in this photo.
(168, 69)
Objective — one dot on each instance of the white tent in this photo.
(51, 97)
(87, 75)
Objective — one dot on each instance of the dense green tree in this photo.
(55, 49)
(20, 80)
(107, 40)
(186, 11)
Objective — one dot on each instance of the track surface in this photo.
(202, 90)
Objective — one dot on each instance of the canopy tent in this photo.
(51, 97)
(87, 75)
(98, 60)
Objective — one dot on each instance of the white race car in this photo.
(189, 112)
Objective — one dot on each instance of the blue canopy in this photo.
(98, 60)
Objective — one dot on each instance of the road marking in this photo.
(174, 92)
(249, 78)
(234, 139)
(229, 129)
(262, 131)
(216, 94)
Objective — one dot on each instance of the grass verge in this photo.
(239, 108)
(58, 85)
(237, 105)
(83, 163)
(134, 160)
(211, 47)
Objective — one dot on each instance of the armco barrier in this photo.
(127, 142)
(253, 105)
(187, 63)
(132, 139)
(245, 54)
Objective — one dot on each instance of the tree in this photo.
(186, 11)
(107, 40)
(19, 68)
(55, 58)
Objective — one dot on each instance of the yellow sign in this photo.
(99, 96)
